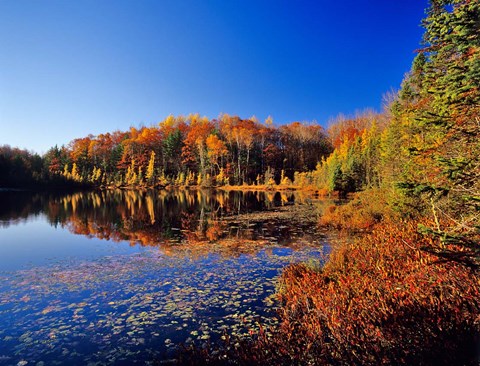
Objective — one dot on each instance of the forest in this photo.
(196, 151)
(407, 290)
(182, 151)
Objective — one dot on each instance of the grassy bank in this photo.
(382, 299)
(386, 297)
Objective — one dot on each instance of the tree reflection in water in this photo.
(177, 221)
(191, 285)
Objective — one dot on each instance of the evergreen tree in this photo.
(441, 102)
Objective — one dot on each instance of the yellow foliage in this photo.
(131, 175)
(163, 180)
(75, 175)
(221, 178)
(151, 167)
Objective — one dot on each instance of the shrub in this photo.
(383, 299)
(361, 213)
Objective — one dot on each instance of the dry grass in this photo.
(381, 300)
(366, 209)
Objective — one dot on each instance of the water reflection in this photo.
(201, 263)
(166, 217)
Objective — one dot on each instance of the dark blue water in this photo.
(125, 277)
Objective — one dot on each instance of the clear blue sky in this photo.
(70, 68)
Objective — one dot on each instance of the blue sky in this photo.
(70, 68)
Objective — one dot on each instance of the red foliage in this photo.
(383, 299)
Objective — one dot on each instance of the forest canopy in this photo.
(193, 150)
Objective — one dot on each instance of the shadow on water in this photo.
(210, 264)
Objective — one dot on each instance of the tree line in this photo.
(196, 151)
(180, 150)
(423, 149)
(24, 169)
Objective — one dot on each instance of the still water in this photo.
(125, 277)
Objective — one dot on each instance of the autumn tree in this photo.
(55, 159)
(150, 174)
(303, 145)
(244, 135)
(79, 156)
(216, 150)
(194, 151)
(187, 149)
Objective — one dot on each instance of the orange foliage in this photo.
(79, 148)
(345, 130)
(199, 130)
(382, 300)
(216, 148)
(365, 210)
(244, 148)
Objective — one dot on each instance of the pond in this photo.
(123, 277)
